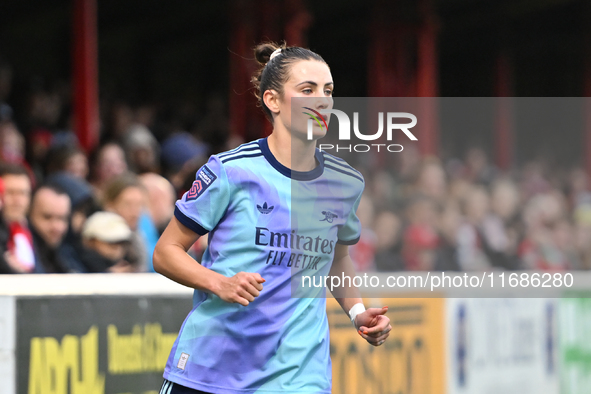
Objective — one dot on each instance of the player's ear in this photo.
(271, 100)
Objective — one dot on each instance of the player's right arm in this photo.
(171, 260)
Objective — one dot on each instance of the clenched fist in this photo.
(241, 288)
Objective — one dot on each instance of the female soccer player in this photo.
(275, 209)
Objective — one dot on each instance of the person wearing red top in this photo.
(18, 249)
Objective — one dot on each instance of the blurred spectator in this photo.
(126, 196)
(48, 219)
(478, 169)
(16, 200)
(69, 159)
(12, 144)
(564, 237)
(420, 238)
(142, 149)
(483, 240)
(81, 198)
(182, 154)
(83, 205)
(458, 189)
(109, 163)
(541, 248)
(44, 112)
(487, 235)
(410, 160)
(431, 180)
(145, 115)
(44, 109)
(533, 181)
(578, 188)
(121, 119)
(505, 200)
(161, 199)
(471, 249)
(386, 191)
(582, 216)
(388, 229)
(449, 224)
(105, 238)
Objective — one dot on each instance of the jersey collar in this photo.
(296, 175)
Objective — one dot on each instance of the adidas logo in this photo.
(265, 209)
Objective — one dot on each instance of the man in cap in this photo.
(105, 237)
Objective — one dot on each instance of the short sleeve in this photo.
(203, 206)
(350, 232)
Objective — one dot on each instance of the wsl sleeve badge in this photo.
(205, 177)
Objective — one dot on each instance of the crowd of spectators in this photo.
(65, 210)
(465, 215)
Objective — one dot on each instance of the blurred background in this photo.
(111, 107)
(97, 89)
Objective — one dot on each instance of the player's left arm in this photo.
(371, 324)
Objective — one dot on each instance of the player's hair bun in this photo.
(263, 51)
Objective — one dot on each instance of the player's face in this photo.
(310, 79)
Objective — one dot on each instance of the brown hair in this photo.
(273, 73)
(13, 169)
(118, 185)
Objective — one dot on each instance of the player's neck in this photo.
(293, 153)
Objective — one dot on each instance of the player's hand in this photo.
(241, 288)
(373, 326)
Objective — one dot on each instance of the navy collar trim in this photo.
(296, 175)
